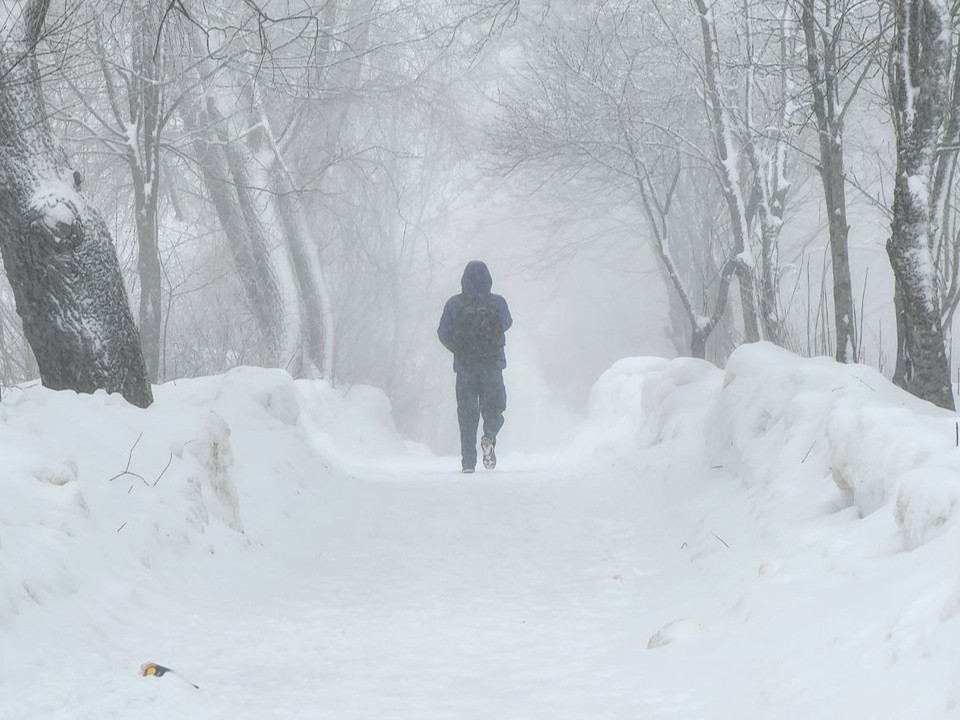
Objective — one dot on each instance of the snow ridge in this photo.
(786, 424)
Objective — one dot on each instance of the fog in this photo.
(299, 184)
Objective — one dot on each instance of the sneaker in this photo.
(467, 470)
(489, 456)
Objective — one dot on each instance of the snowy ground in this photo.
(778, 540)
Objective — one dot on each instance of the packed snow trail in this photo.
(423, 594)
(406, 595)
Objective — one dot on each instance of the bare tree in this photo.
(728, 171)
(56, 248)
(657, 209)
(836, 69)
(278, 96)
(252, 186)
(592, 106)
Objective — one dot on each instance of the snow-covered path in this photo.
(448, 597)
(423, 594)
(417, 594)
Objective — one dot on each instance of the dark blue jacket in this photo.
(476, 281)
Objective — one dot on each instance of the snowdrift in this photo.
(791, 426)
(99, 496)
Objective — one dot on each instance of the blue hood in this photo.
(476, 278)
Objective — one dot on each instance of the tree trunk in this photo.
(57, 251)
(771, 201)
(920, 93)
(832, 177)
(698, 345)
(903, 371)
(146, 103)
(822, 72)
(150, 273)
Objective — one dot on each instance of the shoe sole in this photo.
(489, 455)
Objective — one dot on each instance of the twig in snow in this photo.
(165, 468)
(121, 527)
(720, 539)
(126, 470)
(808, 452)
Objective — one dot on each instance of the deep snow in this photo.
(773, 540)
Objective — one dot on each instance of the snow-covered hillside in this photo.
(773, 540)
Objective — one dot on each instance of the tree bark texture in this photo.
(57, 251)
(920, 94)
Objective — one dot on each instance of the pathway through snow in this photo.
(414, 594)
(532, 593)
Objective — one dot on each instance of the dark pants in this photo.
(479, 393)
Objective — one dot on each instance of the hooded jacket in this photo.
(476, 281)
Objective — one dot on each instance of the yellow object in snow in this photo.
(154, 669)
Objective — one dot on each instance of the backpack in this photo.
(478, 334)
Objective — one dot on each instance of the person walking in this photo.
(472, 327)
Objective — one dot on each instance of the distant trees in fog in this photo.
(740, 101)
(265, 156)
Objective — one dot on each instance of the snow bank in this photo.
(788, 425)
(94, 488)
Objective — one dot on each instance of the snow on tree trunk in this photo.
(770, 187)
(765, 147)
(57, 251)
(316, 318)
(261, 217)
(920, 92)
(729, 173)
